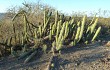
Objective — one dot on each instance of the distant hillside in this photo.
(2, 15)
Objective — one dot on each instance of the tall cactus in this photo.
(56, 17)
(96, 34)
(9, 41)
(92, 20)
(25, 27)
(14, 33)
(58, 30)
(77, 35)
(50, 34)
(60, 38)
(40, 30)
(53, 29)
(44, 18)
(82, 28)
(22, 39)
(46, 22)
(66, 29)
(35, 35)
(94, 25)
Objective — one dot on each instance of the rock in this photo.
(69, 65)
(99, 40)
(107, 44)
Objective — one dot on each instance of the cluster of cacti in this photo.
(59, 32)
(63, 29)
(76, 32)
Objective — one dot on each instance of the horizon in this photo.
(67, 7)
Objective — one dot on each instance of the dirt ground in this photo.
(92, 57)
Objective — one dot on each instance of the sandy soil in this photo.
(92, 57)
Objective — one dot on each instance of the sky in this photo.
(66, 6)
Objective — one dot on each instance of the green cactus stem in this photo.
(82, 28)
(96, 34)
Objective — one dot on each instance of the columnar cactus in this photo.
(66, 29)
(96, 33)
(56, 17)
(93, 26)
(14, 33)
(60, 38)
(25, 26)
(82, 27)
(35, 35)
(50, 34)
(62, 30)
(77, 35)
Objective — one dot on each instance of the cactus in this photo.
(82, 28)
(40, 31)
(30, 57)
(44, 48)
(9, 41)
(19, 38)
(13, 53)
(72, 28)
(96, 34)
(77, 35)
(92, 20)
(25, 27)
(25, 54)
(25, 48)
(78, 23)
(14, 33)
(50, 34)
(71, 21)
(45, 24)
(22, 39)
(58, 30)
(35, 35)
(44, 18)
(61, 32)
(94, 25)
(60, 38)
(88, 29)
(56, 17)
(66, 29)
(53, 29)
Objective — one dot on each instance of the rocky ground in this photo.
(92, 57)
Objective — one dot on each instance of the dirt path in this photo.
(92, 57)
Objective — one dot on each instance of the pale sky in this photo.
(66, 6)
